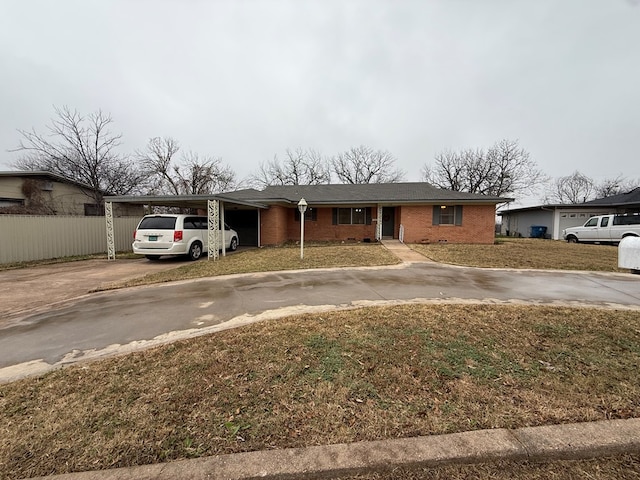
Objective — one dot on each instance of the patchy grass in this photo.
(345, 376)
(526, 253)
(619, 467)
(274, 259)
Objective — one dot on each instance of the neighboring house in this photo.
(519, 221)
(415, 212)
(46, 193)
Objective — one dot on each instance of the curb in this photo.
(546, 443)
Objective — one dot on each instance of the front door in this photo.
(388, 222)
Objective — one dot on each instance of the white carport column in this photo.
(223, 231)
(213, 234)
(111, 243)
(379, 224)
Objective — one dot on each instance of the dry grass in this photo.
(276, 259)
(526, 253)
(319, 379)
(620, 467)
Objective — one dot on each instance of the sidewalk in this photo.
(403, 252)
(547, 443)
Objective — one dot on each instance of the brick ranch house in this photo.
(412, 212)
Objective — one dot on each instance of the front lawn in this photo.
(526, 253)
(345, 376)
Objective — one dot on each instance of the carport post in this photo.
(111, 244)
(213, 233)
(222, 229)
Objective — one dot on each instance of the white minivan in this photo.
(168, 234)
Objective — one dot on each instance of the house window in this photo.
(447, 215)
(310, 215)
(352, 216)
(92, 210)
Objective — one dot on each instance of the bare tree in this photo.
(570, 189)
(503, 169)
(614, 186)
(81, 148)
(200, 176)
(299, 167)
(157, 159)
(365, 165)
(192, 175)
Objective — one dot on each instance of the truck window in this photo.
(592, 222)
(604, 222)
(626, 220)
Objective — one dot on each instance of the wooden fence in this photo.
(26, 237)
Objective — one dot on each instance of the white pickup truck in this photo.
(604, 229)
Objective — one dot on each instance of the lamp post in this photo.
(302, 206)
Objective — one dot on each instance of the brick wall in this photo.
(278, 225)
(320, 230)
(478, 225)
(273, 225)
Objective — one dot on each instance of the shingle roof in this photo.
(418, 192)
(629, 198)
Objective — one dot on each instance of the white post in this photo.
(222, 229)
(379, 224)
(213, 233)
(111, 244)
(302, 206)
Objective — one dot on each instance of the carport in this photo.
(245, 213)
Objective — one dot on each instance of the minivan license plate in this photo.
(153, 238)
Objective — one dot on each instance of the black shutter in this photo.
(458, 215)
(436, 215)
(335, 216)
(297, 215)
(367, 215)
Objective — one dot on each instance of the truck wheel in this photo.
(572, 239)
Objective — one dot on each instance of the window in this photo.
(157, 223)
(626, 220)
(91, 210)
(604, 222)
(310, 215)
(593, 222)
(447, 214)
(352, 216)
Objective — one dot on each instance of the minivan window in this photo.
(192, 223)
(157, 223)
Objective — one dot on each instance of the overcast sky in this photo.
(245, 80)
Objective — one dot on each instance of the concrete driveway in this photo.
(130, 319)
(25, 291)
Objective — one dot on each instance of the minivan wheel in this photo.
(195, 251)
(153, 257)
(234, 244)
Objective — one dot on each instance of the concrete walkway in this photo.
(403, 252)
(537, 444)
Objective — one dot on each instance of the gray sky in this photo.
(245, 80)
